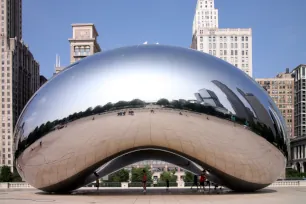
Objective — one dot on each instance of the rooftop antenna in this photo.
(56, 60)
(59, 61)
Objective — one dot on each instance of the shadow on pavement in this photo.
(132, 192)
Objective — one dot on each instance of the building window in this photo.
(87, 50)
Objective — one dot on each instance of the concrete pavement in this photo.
(296, 195)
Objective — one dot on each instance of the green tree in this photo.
(137, 174)
(6, 174)
(188, 177)
(292, 173)
(162, 102)
(16, 177)
(168, 175)
(119, 176)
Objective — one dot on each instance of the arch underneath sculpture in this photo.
(128, 157)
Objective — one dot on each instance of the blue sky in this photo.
(279, 27)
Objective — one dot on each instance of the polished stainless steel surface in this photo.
(150, 102)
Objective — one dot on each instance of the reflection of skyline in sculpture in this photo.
(209, 98)
(240, 109)
(260, 112)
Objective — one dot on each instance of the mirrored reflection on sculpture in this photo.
(150, 102)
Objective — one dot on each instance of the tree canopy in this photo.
(168, 175)
(6, 174)
(137, 174)
(119, 176)
(188, 177)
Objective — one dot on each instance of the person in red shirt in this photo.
(144, 181)
(202, 180)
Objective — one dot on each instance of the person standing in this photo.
(202, 181)
(195, 182)
(144, 181)
(168, 184)
(97, 180)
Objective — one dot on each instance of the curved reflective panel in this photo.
(144, 99)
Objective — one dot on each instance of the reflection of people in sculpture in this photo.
(246, 124)
(144, 181)
(97, 180)
(215, 179)
(233, 118)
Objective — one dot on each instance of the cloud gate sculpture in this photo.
(144, 102)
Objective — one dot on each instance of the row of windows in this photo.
(275, 82)
(8, 149)
(224, 45)
(233, 52)
(81, 50)
(225, 38)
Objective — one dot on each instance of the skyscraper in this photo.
(19, 75)
(298, 144)
(233, 45)
(281, 90)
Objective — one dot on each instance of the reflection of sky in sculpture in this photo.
(147, 72)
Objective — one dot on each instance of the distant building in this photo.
(281, 90)
(58, 66)
(298, 144)
(83, 42)
(42, 80)
(233, 45)
(155, 165)
(20, 76)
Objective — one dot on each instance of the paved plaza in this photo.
(281, 195)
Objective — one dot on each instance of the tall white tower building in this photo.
(19, 77)
(233, 45)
